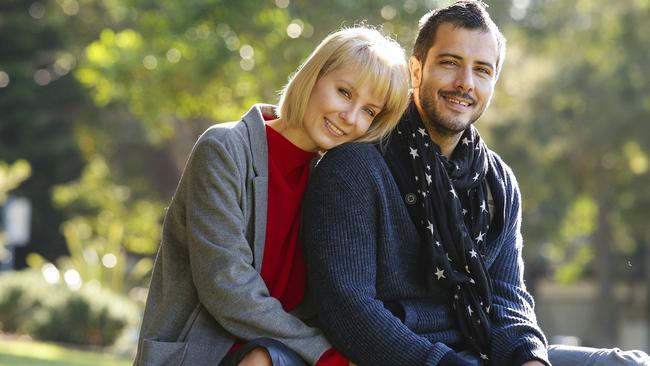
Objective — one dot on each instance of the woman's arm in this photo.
(220, 255)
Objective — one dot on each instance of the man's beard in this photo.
(433, 118)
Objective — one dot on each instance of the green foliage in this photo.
(570, 111)
(52, 311)
(11, 176)
(112, 226)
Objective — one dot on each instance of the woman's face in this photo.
(338, 111)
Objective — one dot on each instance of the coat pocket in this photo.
(157, 353)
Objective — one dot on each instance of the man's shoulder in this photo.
(352, 156)
(500, 168)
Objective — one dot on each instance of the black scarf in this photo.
(447, 200)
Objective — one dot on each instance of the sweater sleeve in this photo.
(342, 210)
(221, 259)
(516, 337)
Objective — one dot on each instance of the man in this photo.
(414, 247)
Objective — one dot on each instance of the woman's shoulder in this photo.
(237, 136)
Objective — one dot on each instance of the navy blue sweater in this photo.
(366, 268)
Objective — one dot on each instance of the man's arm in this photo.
(516, 337)
(342, 211)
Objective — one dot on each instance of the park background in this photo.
(102, 100)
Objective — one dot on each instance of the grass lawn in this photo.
(22, 353)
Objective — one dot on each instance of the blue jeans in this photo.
(561, 355)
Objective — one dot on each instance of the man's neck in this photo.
(446, 142)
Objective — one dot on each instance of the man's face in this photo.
(454, 86)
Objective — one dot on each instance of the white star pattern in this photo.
(424, 193)
(479, 238)
(464, 211)
(414, 152)
(437, 242)
(484, 356)
(440, 273)
(469, 309)
(453, 192)
(428, 167)
(428, 178)
(422, 131)
(484, 207)
(430, 227)
(475, 178)
(473, 254)
(426, 144)
(466, 141)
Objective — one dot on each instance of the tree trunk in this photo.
(646, 250)
(606, 307)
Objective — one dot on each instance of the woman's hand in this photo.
(257, 357)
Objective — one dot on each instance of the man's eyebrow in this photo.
(457, 57)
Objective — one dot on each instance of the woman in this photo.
(229, 278)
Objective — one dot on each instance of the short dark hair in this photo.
(469, 14)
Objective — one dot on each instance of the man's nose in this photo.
(465, 79)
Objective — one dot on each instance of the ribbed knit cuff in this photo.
(435, 356)
(530, 351)
(452, 359)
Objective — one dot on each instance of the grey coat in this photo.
(206, 290)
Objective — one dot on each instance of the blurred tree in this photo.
(572, 119)
(39, 99)
(11, 175)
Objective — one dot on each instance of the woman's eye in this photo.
(344, 92)
(370, 112)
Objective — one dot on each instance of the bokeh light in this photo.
(282, 3)
(36, 10)
(4, 79)
(173, 55)
(109, 260)
(150, 62)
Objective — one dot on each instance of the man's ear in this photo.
(415, 67)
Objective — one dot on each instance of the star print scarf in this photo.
(448, 202)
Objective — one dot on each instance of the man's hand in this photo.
(257, 357)
(533, 363)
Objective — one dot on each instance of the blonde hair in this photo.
(374, 57)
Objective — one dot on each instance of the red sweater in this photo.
(283, 268)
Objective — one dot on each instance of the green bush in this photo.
(53, 312)
(21, 295)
